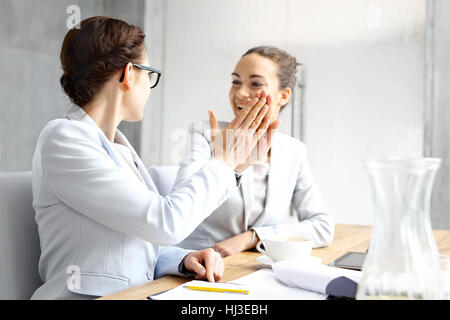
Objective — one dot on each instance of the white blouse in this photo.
(260, 178)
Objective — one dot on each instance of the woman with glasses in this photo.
(102, 224)
(280, 179)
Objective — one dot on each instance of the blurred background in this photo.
(374, 80)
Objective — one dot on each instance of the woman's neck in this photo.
(105, 111)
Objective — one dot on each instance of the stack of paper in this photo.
(292, 279)
(318, 277)
(262, 285)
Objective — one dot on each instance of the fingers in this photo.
(269, 100)
(193, 263)
(213, 124)
(213, 120)
(206, 263)
(198, 268)
(246, 138)
(264, 125)
(262, 129)
(236, 147)
(261, 139)
(210, 263)
(261, 94)
(263, 111)
(259, 117)
(250, 118)
(248, 127)
(220, 267)
(248, 105)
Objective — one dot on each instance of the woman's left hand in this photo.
(206, 263)
(236, 244)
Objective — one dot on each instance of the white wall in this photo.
(31, 34)
(364, 79)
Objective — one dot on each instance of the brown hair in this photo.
(93, 52)
(287, 64)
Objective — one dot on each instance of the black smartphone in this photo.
(350, 260)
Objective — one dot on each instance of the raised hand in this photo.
(247, 132)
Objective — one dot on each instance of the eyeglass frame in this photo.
(142, 67)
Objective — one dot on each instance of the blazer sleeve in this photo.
(196, 154)
(169, 260)
(315, 220)
(85, 178)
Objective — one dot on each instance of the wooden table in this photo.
(347, 238)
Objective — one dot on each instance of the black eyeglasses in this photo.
(153, 74)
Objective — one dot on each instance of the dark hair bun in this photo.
(91, 54)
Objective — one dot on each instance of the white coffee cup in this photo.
(285, 248)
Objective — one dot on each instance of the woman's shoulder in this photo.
(287, 142)
(65, 130)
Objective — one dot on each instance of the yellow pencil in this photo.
(217, 289)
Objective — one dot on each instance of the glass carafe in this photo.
(403, 259)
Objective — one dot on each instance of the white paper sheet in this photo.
(311, 276)
(262, 285)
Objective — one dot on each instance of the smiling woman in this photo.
(279, 178)
(264, 68)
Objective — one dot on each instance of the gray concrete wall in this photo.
(31, 34)
(437, 106)
(132, 12)
(152, 123)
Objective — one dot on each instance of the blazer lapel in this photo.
(247, 193)
(275, 169)
(76, 113)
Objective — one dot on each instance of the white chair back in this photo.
(19, 238)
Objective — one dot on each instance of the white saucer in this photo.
(268, 261)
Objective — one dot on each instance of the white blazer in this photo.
(290, 186)
(103, 225)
